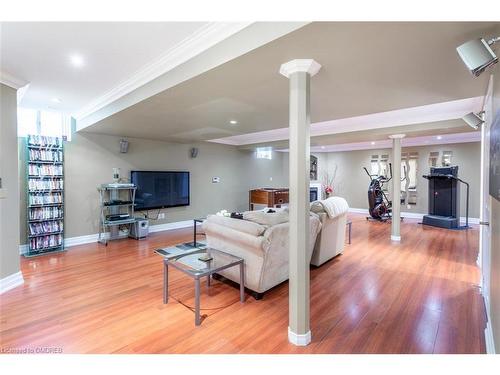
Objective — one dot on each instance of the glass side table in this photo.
(192, 265)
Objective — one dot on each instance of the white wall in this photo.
(90, 158)
(9, 206)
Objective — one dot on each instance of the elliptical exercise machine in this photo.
(379, 206)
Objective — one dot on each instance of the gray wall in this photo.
(89, 159)
(351, 182)
(495, 240)
(9, 207)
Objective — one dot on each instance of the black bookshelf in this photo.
(44, 194)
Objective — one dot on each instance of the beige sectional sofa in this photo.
(330, 242)
(264, 244)
(265, 249)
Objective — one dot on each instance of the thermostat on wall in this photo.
(215, 180)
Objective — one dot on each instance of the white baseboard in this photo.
(170, 226)
(90, 238)
(11, 281)
(299, 339)
(488, 337)
(358, 210)
(488, 331)
(413, 215)
(80, 240)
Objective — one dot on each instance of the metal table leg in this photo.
(194, 232)
(197, 319)
(350, 227)
(165, 282)
(208, 280)
(242, 282)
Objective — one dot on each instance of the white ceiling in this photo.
(39, 52)
(367, 68)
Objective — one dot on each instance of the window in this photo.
(433, 158)
(48, 123)
(27, 122)
(374, 165)
(447, 158)
(264, 153)
(409, 170)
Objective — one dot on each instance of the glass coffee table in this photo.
(199, 264)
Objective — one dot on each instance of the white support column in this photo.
(299, 73)
(396, 187)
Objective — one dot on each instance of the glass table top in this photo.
(198, 263)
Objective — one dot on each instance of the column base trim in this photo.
(299, 339)
(395, 238)
(11, 281)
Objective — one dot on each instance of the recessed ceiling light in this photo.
(233, 122)
(77, 60)
(372, 143)
(56, 100)
(439, 137)
(322, 147)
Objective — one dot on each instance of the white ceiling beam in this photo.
(402, 117)
(427, 140)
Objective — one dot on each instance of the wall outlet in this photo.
(215, 180)
(161, 215)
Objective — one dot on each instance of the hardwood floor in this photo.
(420, 296)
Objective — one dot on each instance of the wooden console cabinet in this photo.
(271, 197)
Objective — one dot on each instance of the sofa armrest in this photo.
(232, 237)
(244, 226)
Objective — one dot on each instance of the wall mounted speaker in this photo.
(123, 146)
(194, 152)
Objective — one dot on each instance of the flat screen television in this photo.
(158, 189)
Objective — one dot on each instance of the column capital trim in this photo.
(300, 65)
(397, 136)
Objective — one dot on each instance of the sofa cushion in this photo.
(244, 226)
(268, 219)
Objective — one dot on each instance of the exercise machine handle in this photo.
(369, 175)
(405, 173)
(385, 180)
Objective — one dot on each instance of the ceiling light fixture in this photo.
(77, 61)
(439, 137)
(474, 120)
(322, 147)
(372, 143)
(233, 122)
(477, 55)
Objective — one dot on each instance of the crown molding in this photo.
(12, 81)
(300, 65)
(206, 37)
